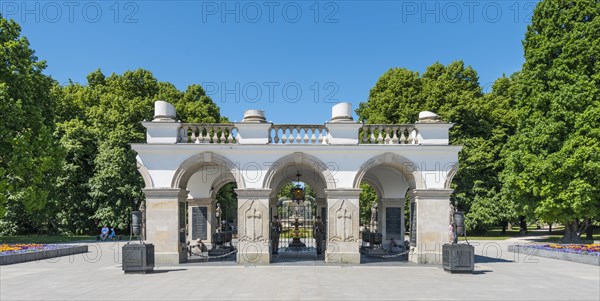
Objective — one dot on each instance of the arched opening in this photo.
(386, 182)
(297, 223)
(208, 216)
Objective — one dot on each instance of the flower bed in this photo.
(16, 253)
(589, 254)
(590, 249)
(6, 249)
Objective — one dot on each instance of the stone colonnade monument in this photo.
(184, 165)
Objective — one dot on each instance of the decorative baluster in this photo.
(320, 138)
(380, 137)
(230, 136)
(283, 135)
(200, 133)
(276, 137)
(416, 136)
(373, 139)
(298, 135)
(402, 136)
(222, 139)
(313, 138)
(305, 139)
(193, 136)
(214, 136)
(387, 135)
(411, 138)
(395, 138)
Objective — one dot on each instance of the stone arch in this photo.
(148, 183)
(302, 159)
(219, 184)
(450, 176)
(409, 169)
(376, 184)
(194, 163)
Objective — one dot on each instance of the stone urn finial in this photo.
(256, 116)
(164, 111)
(429, 117)
(342, 112)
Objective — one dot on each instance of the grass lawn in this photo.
(544, 235)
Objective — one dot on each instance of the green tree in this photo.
(482, 123)
(228, 200)
(367, 198)
(96, 124)
(553, 159)
(29, 158)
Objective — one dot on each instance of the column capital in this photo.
(343, 192)
(432, 193)
(165, 193)
(253, 193)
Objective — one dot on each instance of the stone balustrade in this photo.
(298, 134)
(254, 129)
(389, 134)
(207, 133)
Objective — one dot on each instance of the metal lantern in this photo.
(298, 191)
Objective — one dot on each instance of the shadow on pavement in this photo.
(166, 271)
(486, 259)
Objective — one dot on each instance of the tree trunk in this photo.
(589, 232)
(504, 226)
(571, 233)
(523, 224)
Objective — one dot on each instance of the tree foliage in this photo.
(482, 124)
(100, 120)
(65, 150)
(29, 157)
(554, 157)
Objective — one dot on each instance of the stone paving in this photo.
(498, 276)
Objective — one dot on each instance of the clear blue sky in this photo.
(265, 53)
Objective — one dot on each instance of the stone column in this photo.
(165, 227)
(396, 207)
(197, 204)
(253, 226)
(433, 212)
(342, 226)
(321, 204)
(273, 207)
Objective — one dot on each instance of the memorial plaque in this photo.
(199, 223)
(393, 221)
(413, 224)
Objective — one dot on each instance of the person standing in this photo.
(275, 231)
(319, 233)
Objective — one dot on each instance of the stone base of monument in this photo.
(459, 258)
(297, 244)
(138, 258)
(342, 253)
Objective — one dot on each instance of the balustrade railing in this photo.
(207, 133)
(298, 134)
(388, 134)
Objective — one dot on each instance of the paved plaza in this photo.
(98, 276)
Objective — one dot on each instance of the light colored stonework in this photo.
(184, 163)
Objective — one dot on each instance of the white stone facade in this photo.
(186, 165)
